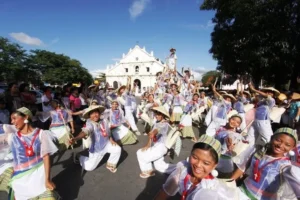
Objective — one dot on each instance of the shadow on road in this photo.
(69, 180)
(153, 186)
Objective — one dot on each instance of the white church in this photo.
(141, 65)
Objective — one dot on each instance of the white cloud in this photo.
(198, 27)
(137, 8)
(26, 39)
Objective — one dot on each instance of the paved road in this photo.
(102, 184)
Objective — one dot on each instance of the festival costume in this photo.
(6, 157)
(220, 119)
(186, 120)
(100, 145)
(126, 101)
(209, 187)
(28, 179)
(156, 152)
(261, 131)
(177, 108)
(226, 165)
(239, 107)
(59, 127)
(120, 132)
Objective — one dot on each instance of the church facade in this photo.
(141, 65)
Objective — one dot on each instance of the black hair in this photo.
(206, 147)
(11, 85)
(74, 89)
(23, 115)
(23, 86)
(45, 89)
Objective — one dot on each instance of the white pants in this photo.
(260, 132)
(129, 117)
(91, 162)
(154, 154)
(243, 124)
(214, 126)
(211, 115)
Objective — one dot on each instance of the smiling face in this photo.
(234, 122)
(95, 115)
(18, 121)
(114, 106)
(202, 163)
(281, 144)
(195, 97)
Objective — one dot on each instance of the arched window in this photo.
(137, 69)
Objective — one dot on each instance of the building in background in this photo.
(141, 65)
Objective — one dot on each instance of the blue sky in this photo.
(98, 32)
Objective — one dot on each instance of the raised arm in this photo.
(251, 87)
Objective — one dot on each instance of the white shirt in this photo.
(48, 107)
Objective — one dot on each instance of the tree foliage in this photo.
(257, 37)
(210, 77)
(39, 66)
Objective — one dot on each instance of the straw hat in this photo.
(272, 90)
(215, 144)
(282, 97)
(289, 131)
(230, 96)
(26, 112)
(92, 108)
(96, 82)
(162, 110)
(296, 96)
(247, 92)
(121, 87)
(91, 86)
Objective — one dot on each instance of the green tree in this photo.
(12, 58)
(210, 77)
(261, 38)
(58, 68)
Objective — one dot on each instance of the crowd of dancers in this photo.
(250, 149)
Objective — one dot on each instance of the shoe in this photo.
(145, 134)
(137, 132)
(142, 175)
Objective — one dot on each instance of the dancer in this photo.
(265, 166)
(195, 179)
(31, 148)
(155, 148)
(102, 142)
(121, 134)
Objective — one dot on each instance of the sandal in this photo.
(111, 169)
(142, 175)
